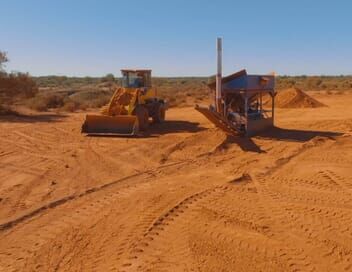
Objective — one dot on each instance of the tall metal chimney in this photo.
(218, 75)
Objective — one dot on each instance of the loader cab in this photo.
(136, 78)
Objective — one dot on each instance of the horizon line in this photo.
(185, 76)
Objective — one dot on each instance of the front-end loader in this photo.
(130, 107)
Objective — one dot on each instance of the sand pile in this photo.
(296, 98)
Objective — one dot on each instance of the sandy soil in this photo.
(184, 198)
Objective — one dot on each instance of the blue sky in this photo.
(176, 38)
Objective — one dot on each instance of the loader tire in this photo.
(143, 118)
(159, 115)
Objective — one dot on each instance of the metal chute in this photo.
(218, 120)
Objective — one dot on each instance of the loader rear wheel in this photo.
(159, 114)
(143, 118)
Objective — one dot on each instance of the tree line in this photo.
(14, 85)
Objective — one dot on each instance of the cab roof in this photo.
(137, 70)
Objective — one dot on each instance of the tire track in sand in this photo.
(313, 219)
(55, 203)
(141, 255)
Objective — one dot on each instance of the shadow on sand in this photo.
(294, 135)
(40, 118)
(245, 143)
(155, 130)
(173, 126)
(277, 134)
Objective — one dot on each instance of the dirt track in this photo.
(184, 198)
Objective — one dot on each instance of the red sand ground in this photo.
(186, 198)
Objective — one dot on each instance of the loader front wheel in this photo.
(159, 115)
(143, 118)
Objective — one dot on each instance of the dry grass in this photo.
(70, 106)
(45, 102)
(71, 94)
(178, 92)
(7, 110)
(340, 92)
(14, 87)
(91, 92)
(69, 100)
(183, 92)
(17, 86)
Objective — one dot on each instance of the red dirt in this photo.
(185, 198)
(296, 98)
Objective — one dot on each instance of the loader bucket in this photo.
(123, 125)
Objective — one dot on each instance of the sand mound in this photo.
(204, 142)
(296, 98)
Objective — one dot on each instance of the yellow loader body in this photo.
(122, 115)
